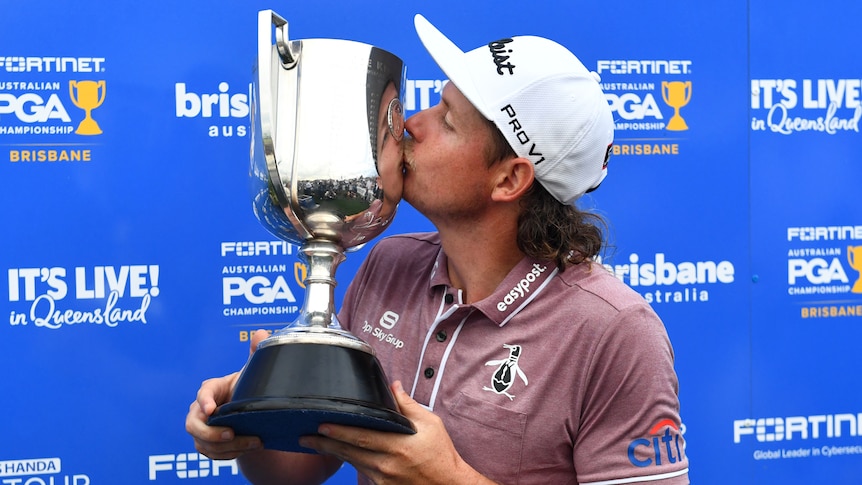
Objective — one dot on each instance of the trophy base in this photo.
(288, 389)
(279, 423)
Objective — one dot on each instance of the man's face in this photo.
(446, 161)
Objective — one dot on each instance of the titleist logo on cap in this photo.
(500, 52)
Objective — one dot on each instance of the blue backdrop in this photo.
(135, 267)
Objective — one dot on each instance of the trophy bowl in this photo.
(326, 157)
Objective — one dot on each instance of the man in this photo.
(523, 361)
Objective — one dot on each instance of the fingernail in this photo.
(226, 435)
(324, 430)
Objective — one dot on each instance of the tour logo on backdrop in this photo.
(39, 471)
(649, 100)
(50, 108)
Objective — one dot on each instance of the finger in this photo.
(406, 404)
(256, 338)
(342, 442)
(196, 425)
(217, 442)
(214, 392)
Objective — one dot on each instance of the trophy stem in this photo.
(323, 258)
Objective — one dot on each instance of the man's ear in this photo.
(514, 177)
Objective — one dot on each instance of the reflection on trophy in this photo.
(88, 99)
(854, 257)
(676, 94)
(327, 126)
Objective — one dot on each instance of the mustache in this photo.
(407, 146)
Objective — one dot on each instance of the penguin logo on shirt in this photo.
(504, 378)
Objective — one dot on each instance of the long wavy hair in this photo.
(547, 228)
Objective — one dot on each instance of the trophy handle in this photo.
(72, 85)
(268, 90)
(101, 84)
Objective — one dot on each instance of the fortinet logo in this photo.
(767, 430)
(190, 465)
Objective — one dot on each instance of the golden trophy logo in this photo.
(854, 257)
(300, 272)
(676, 94)
(87, 95)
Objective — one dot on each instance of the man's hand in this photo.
(427, 457)
(217, 442)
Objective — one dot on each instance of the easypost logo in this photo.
(45, 97)
(824, 270)
(648, 98)
(189, 466)
(789, 106)
(225, 110)
(661, 279)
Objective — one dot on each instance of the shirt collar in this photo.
(523, 283)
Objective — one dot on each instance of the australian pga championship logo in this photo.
(824, 270)
(788, 106)
(109, 295)
(255, 286)
(648, 99)
(43, 98)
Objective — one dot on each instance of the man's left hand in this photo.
(427, 457)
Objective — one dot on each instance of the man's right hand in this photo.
(218, 442)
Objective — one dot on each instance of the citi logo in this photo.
(499, 53)
(662, 446)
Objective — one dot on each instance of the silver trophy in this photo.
(327, 125)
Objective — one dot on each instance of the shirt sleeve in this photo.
(630, 427)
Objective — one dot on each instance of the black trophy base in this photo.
(288, 390)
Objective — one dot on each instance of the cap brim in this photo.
(451, 59)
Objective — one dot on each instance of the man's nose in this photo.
(413, 125)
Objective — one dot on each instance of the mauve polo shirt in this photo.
(555, 378)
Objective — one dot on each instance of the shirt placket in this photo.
(432, 364)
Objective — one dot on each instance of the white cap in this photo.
(550, 108)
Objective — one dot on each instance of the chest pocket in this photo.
(489, 437)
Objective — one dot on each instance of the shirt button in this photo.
(441, 336)
(429, 372)
(449, 298)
